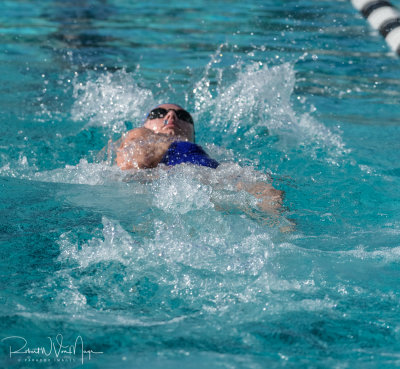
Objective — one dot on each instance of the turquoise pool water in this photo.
(178, 269)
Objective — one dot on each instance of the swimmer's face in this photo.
(172, 124)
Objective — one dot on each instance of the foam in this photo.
(82, 173)
(181, 261)
(100, 319)
(386, 254)
(116, 246)
(179, 193)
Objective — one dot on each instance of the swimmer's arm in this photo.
(271, 201)
(142, 148)
(271, 198)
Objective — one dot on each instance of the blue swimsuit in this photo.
(187, 152)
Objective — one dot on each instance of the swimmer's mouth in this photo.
(169, 125)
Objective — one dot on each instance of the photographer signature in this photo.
(57, 347)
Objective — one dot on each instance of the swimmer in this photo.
(167, 137)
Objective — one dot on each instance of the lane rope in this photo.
(384, 17)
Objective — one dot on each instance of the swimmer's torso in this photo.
(141, 148)
(187, 152)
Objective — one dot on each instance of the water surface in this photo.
(178, 268)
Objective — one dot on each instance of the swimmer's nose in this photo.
(171, 116)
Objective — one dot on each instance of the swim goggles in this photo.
(161, 113)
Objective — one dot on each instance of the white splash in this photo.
(181, 193)
(261, 97)
(82, 173)
(110, 100)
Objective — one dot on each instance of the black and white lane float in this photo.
(384, 17)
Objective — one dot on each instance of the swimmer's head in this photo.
(171, 119)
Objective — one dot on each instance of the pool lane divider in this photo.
(384, 17)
